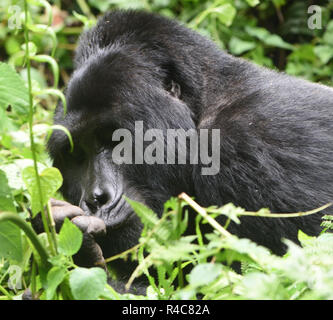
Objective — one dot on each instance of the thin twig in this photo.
(204, 214)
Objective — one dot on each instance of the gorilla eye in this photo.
(78, 155)
(174, 89)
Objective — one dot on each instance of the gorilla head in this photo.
(136, 68)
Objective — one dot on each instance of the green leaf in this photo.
(10, 242)
(238, 46)
(324, 53)
(253, 3)
(70, 238)
(87, 284)
(13, 90)
(204, 274)
(269, 39)
(328, 36)
(225, 13)
(304, 239)
(6, 197)
(54, 277)
(31, 47)
(229, 210)
(147, 216)
(181, 249)
(14, 172)
(101, 5)
(276, 41)
(50, 181)
(150, 219)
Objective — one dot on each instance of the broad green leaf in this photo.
(13, 90)
(10, 241)
(276, 41)
(225, 13)
(269, 39)
(259, 33)
(50, 180)
(253, 3)
(101, 5)
(328, 36)
(204, 274)
(31, 47)
(324, 53)
(70, 238)
(54, 277)
(238, 46)
(87, 284)
(14, 172)
(6, 197)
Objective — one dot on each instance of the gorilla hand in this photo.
(92, 228)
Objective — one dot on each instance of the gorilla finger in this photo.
(59, 203)
(90, 254)
(90, 225)
(60, 213)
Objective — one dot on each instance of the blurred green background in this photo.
(272, 33)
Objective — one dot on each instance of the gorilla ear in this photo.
(174, 89)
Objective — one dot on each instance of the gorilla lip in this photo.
(115, 220)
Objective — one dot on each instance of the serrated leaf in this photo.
(13, 90)
(87, 284)
(70, 238)
(204, 274)
(176, 250)
(229, 210)
(147, 216)
(50, 180)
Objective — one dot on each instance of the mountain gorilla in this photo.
(275, 134)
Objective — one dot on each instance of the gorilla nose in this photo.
(97, 200)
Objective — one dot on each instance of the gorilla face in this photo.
(115, 89)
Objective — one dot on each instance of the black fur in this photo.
(276, 130)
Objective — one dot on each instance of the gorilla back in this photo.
(275, 131)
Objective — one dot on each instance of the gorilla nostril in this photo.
(101, 199)
(97, 200)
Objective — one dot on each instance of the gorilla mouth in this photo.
(116, 215)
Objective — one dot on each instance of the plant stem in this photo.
(6, 293)
(33, 278)
(179, 263)
(204, 214)
(286, 215)
(32, 143)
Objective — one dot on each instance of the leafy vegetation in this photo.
(37, 39)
